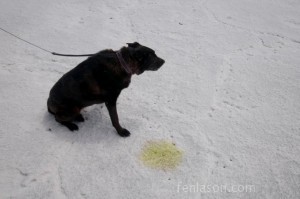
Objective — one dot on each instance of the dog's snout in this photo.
(157, 64)
(160, 62)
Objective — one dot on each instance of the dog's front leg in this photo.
(112, 109)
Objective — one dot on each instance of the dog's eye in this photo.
(148, 55)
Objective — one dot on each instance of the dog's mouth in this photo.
(157, 64)
(154, 66)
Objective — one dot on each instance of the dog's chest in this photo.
(126, 82)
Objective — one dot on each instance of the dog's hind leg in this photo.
(71, 126)
(50, 106)
(50, 111)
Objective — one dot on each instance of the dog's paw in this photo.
(71, 126)
(124, 133)
(79, 118)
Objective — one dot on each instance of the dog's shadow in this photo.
(95, 129)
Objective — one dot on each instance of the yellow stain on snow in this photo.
(161, 155)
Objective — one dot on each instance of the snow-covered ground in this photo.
(228, 96)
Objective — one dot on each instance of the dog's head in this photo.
(145, 57)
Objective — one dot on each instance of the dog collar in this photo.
(123, 62)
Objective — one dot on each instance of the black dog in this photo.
(99, 79)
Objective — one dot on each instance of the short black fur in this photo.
(99, 79)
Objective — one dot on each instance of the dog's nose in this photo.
(161, 62)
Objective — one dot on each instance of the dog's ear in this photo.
(133, 45)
